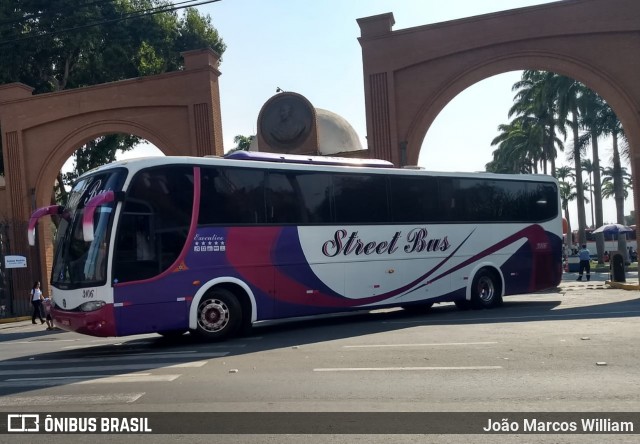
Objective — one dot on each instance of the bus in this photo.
(214, 245)
(610, 240)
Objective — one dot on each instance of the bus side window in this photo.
(232, 196)
(154, 223)
(283, 202)
(414, 199)
(360, 198)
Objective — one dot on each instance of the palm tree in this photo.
(566, 176)
(242, 143)
(592, 109)
(567, 194)
(535, 104)
(567, 92)
(608, 179)
(616, 183)
(613, 127)
(514, 153)
(587, 166)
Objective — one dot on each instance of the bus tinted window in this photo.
(294, 197)
(315, 192)
(360, 198)
(414, 199)
(502, 201)
(283, 205)
(232, 196)
(154, 222)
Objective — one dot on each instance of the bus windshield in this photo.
(78, 263)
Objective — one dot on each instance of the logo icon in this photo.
(29, 422)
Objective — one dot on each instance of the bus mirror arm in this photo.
(90, 210)
(33, 220)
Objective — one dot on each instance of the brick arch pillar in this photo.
(411, 74)
(178, 111)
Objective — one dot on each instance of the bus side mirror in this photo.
(33, 220)
(90, 211)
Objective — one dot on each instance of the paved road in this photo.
(571, 349)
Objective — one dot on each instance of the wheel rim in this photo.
(486, 289)
(213, 315)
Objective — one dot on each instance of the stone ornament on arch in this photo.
(287, 123)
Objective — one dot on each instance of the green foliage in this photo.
(242, 143)
(52, 45)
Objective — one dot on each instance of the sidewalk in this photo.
(631, 280)
(19, 321)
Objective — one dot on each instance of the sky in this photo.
(311, 47)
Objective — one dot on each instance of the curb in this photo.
(622, 285)
(18, 319)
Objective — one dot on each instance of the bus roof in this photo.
(321, 163)
(315, 160)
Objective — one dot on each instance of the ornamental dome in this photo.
(335, 134)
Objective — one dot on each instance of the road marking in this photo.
(43, 341)
(87, 379)
(420, 345)
(113, 358)
(391, 369)
(130, 378)
(104, 368)
(56, 400)
(74, 347)
(195, 364)
(506, 318)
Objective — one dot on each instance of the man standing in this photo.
(585, 262)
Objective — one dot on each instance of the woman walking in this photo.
(36, 301)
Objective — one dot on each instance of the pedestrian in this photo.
(46, 303)
(36, 301)
(585, 262)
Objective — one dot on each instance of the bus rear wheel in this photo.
(219, 315)
(486, 290)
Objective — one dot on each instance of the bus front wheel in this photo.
(219, 315)
(486, 290)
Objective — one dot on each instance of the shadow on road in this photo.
(305, 332)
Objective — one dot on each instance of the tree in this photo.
(567, 92)
(566, 176)
(516, 152)
(54, 45)
(535, 103)
(242, 143)
(608, 179)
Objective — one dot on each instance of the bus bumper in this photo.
(95, 323)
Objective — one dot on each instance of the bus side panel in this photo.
(299, 293)
(537, 265)
(154, 305)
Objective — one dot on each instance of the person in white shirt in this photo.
(36, 301)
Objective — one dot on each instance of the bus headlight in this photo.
(92, 305)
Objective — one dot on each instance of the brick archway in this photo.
(179, 112)
(411, 74)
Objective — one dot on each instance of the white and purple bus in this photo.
(212, 245)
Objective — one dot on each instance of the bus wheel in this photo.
(219, 315)
(485, 290)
